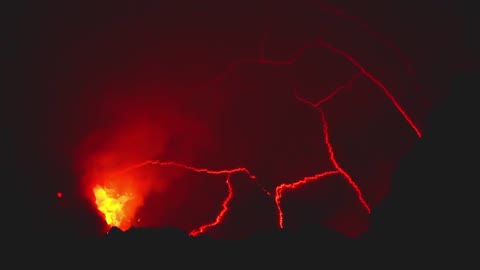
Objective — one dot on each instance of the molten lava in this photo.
(119, 203)
(113, 206)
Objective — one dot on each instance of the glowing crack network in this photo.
(111, 204)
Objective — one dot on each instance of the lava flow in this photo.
(119, 206)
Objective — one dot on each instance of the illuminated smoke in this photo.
(162, 130)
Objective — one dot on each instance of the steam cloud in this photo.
(140, 128)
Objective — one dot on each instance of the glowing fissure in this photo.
(283, 187)
(220, 215)
(320, 43)
(196, 169)
(338, 170)
(112, 205)
(365, 28)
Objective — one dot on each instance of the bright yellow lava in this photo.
(112, 205)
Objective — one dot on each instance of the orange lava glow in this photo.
(114, 206)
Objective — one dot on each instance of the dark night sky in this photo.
(106, 85)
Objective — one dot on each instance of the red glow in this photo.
(119, 190)
(59, 195)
